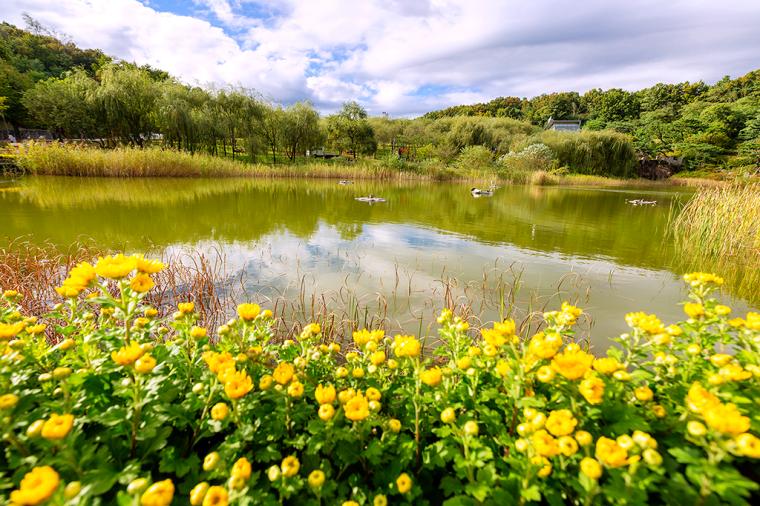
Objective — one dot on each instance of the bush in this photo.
(535, 157)
(105, 402)
(474, 158)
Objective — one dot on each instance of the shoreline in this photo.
(67, 161)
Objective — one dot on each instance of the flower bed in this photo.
(107, 403)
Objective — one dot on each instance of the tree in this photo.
(272, 124)
(611, 105)
(128, 96)
(65, 106)
(301, 128)
(564, 105)
(237, 111)
(349, 129)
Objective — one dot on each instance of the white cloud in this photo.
(383, 51)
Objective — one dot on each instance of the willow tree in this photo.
(128, 96)
(235, 110)
(301, 129)
(178, 115)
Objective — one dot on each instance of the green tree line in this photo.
(705, 125)
(74, 93)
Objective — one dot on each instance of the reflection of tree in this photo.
(349, 231)
(160, 212)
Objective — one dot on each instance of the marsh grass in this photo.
(80, 161)
(72, 160)
(719, 230)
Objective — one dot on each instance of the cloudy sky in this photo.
(406, 57)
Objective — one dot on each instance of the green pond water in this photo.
(428, 245)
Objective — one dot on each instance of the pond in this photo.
(522, 250)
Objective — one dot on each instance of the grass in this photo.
(71, 160)
(81, 161)
(719, 229)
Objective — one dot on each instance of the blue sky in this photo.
(406, 57)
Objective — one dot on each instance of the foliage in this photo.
(474, 158)
(595, 153)
(535, 157)
(26, 58)
(350, 131)
(106, 402)
(66, 106)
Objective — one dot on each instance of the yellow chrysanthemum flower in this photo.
(115, 266)
(216, 496)
(702, 278)
(57, 426)
(561, 422)
(694, 309)
(325, 394)
(237, 384)
(610, 453)
(573, 363)
(148, 266)
(248, 311)
(544, 443)
(283, 373)
(290, 466)
(316, 478)
(748, 445)
(158, 494)
(431, 377)
(141, 283)
(241, 469)
(591, 468)
(36, 487)
(8, 401)
(145, 364)
(406, 346)
(127, 355)
(9, 330)
(403, 483)
(607, 365)
(357, 408)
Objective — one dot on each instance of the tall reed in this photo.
(719, 230)
(72, 160)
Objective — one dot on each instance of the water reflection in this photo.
(428, 244)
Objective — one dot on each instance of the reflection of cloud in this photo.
(405, 265)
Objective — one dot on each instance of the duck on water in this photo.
(477, 192)
(371, 199)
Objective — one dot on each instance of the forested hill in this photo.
(26, 58)
(609, 106)
(704, 124)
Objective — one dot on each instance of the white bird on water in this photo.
(371, 199)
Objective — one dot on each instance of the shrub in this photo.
(535, 157)
(105, 402)
(474, 158)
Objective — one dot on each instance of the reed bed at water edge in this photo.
(720, 228)
(74, 160)
(125, 162)
(722, 222)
